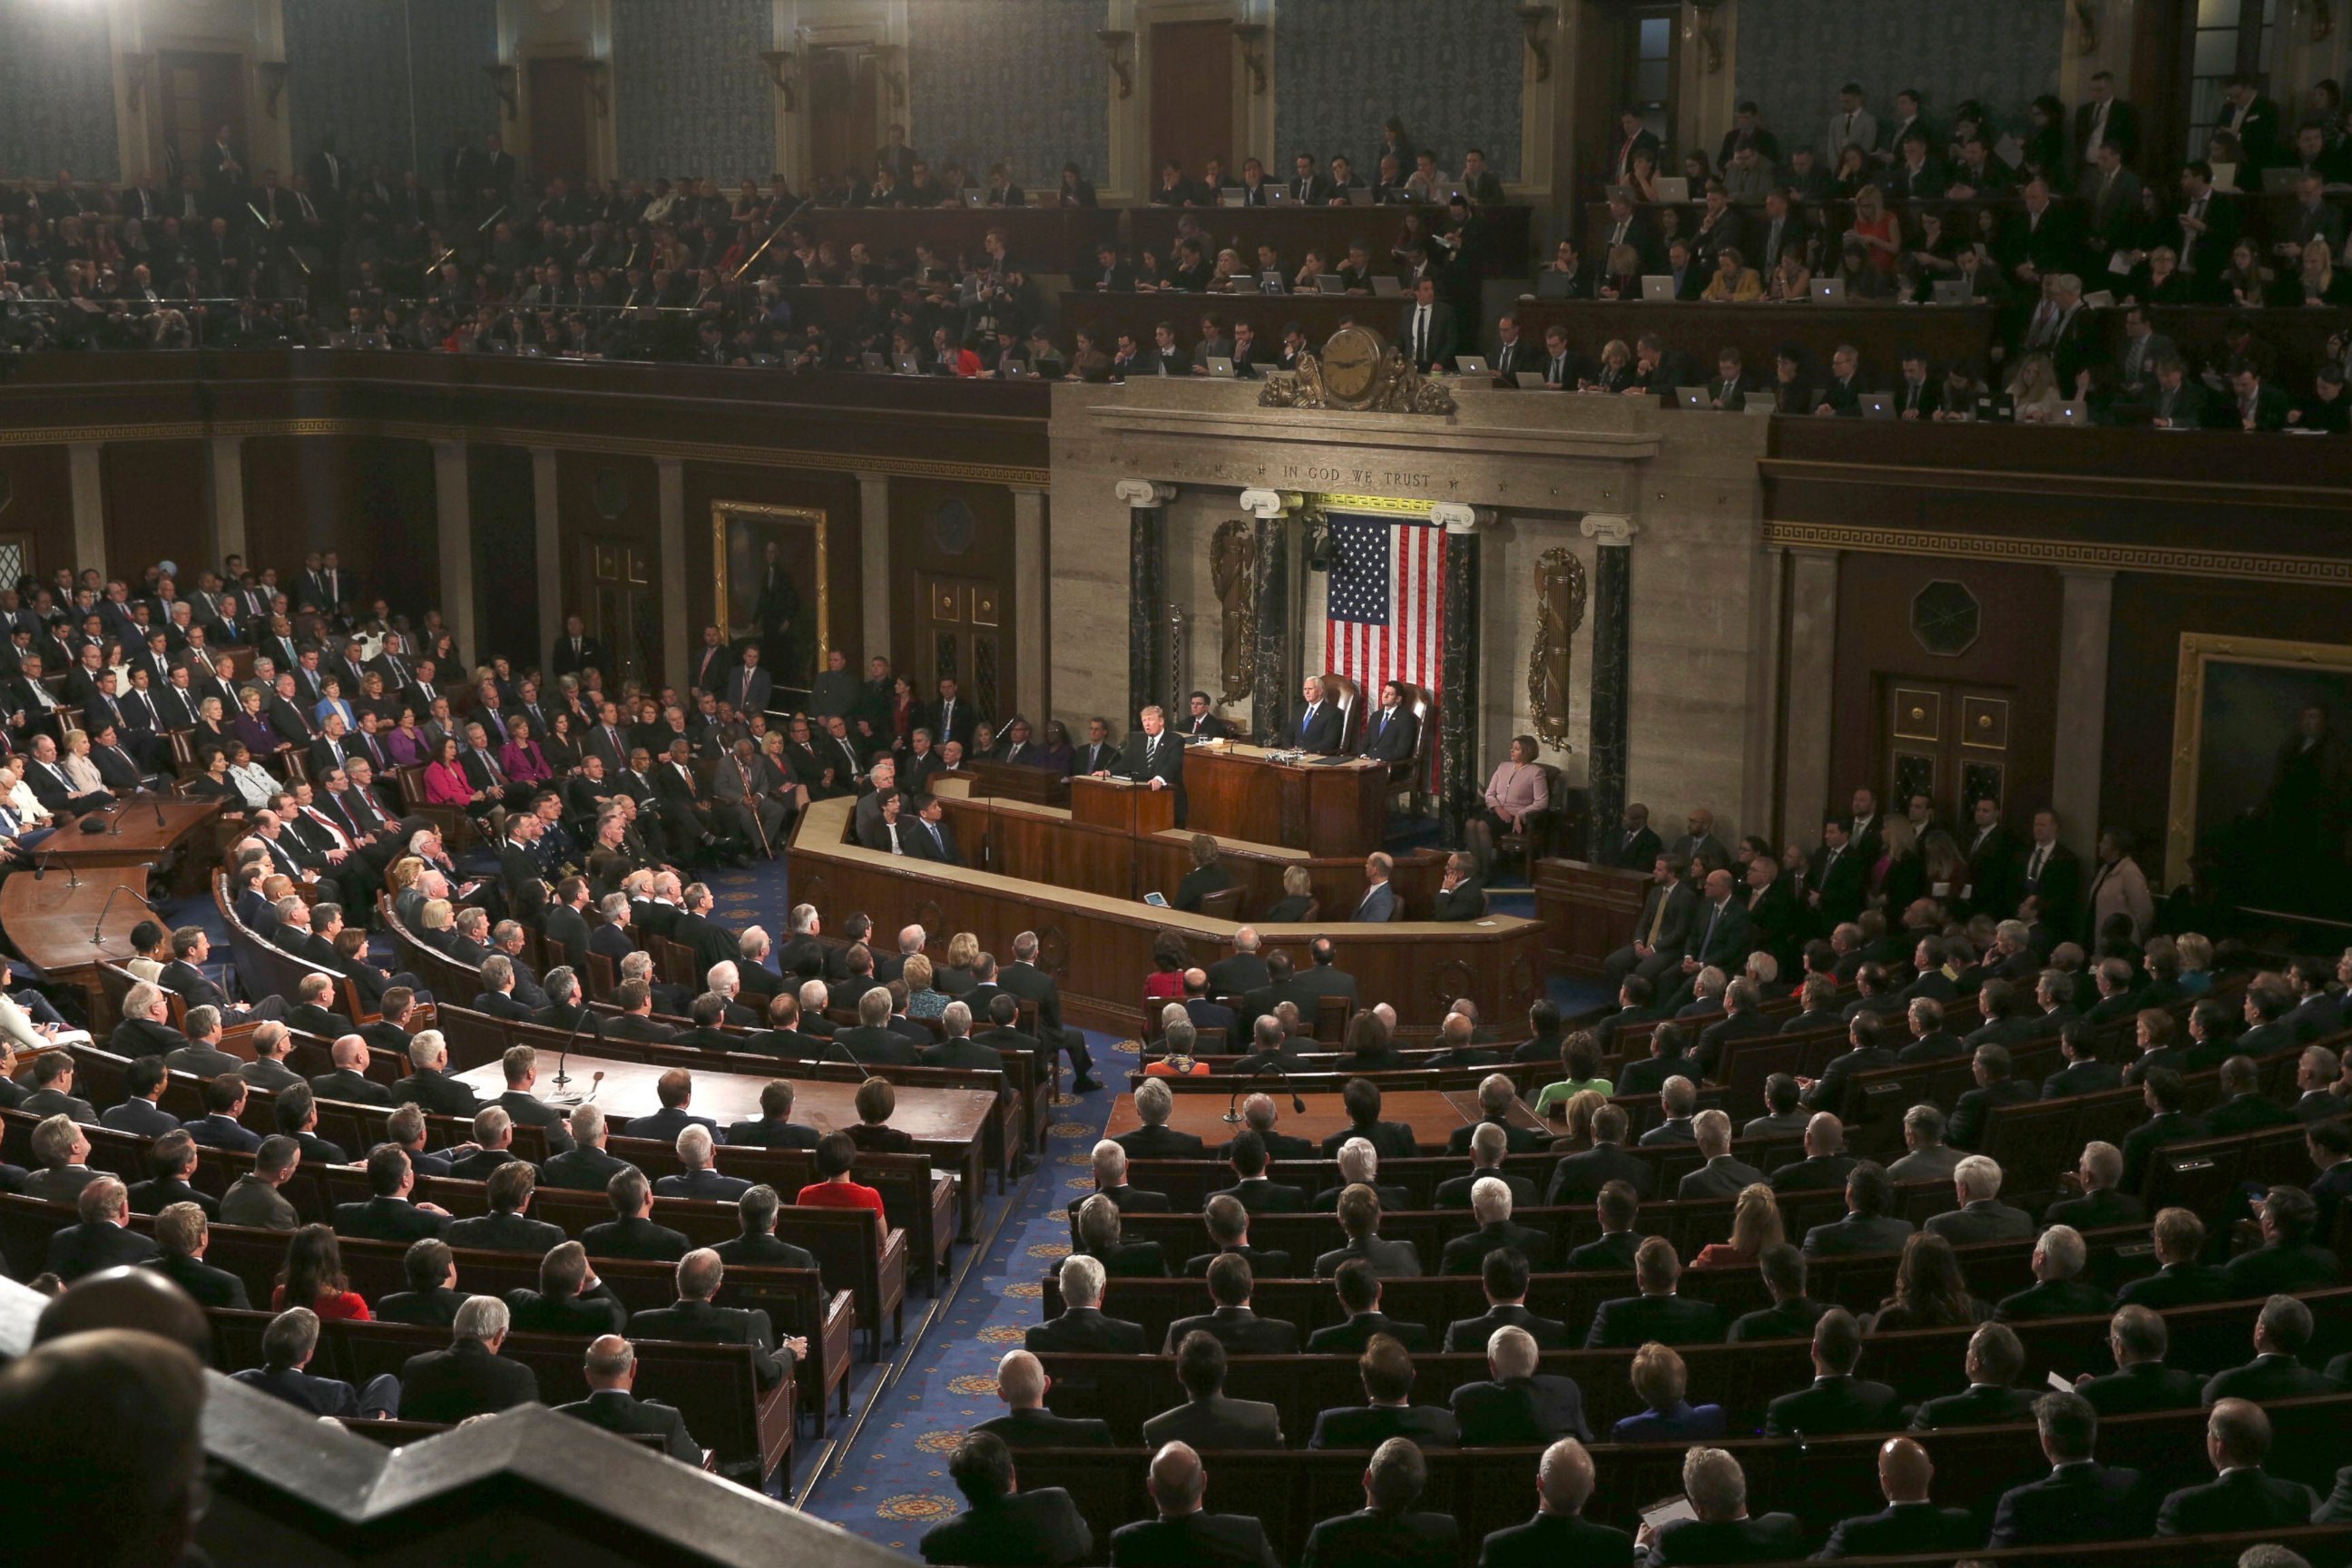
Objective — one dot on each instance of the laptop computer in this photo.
(1473, 364)
(1387, 288)
(873, 361)
(1530, 380)
(2225, 177)
(1270, 283)
(2280, 182)
(1327, 284)
(1658, 286)
(2073, 414)
(1220, 366)
(1877, 405)
(1360, 195)
(1279, 197)
(1551, 284)
(1241, 283)
(974, 196)
(1672, 188)
(909, 365)
(1951, 291)
(1829, 290)
(1692, 397)
(1759, 403)
(1233, 197)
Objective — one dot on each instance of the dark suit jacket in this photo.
(1520, 1411)
(387, 1220)
(640, 1239)
(2241, 1499)
(590, 1313)
(703, 1324)
(504, 1233)
(435, 1092)
(1044, 1429)
(616, 1410)
(1367, 1426)
(1553, 1541)
(1357, 1331)
(1467, 1254)
(1833, 1405)
(1196, 1541)
(1383, 1540)
(583, 1169)
(1578, 1177)
(1239, 1330)
(1985, 1219)
(1086, 1329)
(428, 1309)
(464, 1380)
(1761, 1538)
(79, 1249)
(1607, 1254)
(1905, 1528)
(1472, 1333)
(1632, 1321)
(211, 1286)
(1979, 1404)
(2144, 1387)
(1039, 1528)
(1217, 1422)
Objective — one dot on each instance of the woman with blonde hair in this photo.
(955, 976)
(1576, 1122)
(1297, 900)
(923, 1002)
(2036, 392)
(1755, 1225)
(80, 772)
(1660, 1379)
(1734, 282)
(1616, 370)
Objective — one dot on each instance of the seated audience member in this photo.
(1995, 1357)
(695, 1178)
(1110, 1181)
(1491, 1205)
(1252, 1188)
(1981, 1217)
(469, 1378)
(1909, 1523)
(1386, 1369)
(432, 1299)
(2098, 1170)
(286, 1346)
(390, 1215)
(1581, 1176)
(1724, 1175)
(610, 1369)
(836, 1154)
(631, 1232)
(1867, 1227)
(1661, 1380)
(1001, 1526)
(2137, 1338)
(1097, 1233)
(1228, 1226)
(181, 1233)
(1559, 1533)
(693, 1317)
(1504, 1275)
(1617, 1244)
(1387, 1529)
(1792, 1313)
(1826, 1163)
(2182, 1279)
(569, 1301)
(2080, 1500)
(585, 1167)
(1657, 1313)
(2058, 1290)
(2169, 1122)
(1838, 1402)
(101, 1241)
(1184, 1534)
(2288, 1258)
(1231, 1322)
(1784, 1114)
(1082, 1325)
(1155, 1139)
(1358, 1285)
(1210, 1418)
(1678, 1097)
(1755, 1224)
(1360, 1218)
(2281, 1332)
(1723, 1529)
(1021, 1383)
(2245, 1495)
(1930, 1291)
(1518, 1405)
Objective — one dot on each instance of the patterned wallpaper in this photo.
(1794, 55)
(56, 92)
(1451, 73)
(390, 79)
(1022, 80)
(689, 91)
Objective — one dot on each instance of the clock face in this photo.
(1350, 360)
(1945, 618)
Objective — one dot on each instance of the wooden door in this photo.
(1193, 96)
(844, 110)
(204, 90)
(1946, 739)
(623, 608)
(963, 637)
(559, 118)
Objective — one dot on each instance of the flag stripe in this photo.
(1386, 605)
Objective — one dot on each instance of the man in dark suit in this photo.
(1392, 730)
(571, 1301)
(585, 1167)
(1518, 1406)
(1657, 1313)
(1584, 1175)
(1724, 1530)
(389, 1216)
(774, 1129)
(1020, 1381)
(1387, 1529)
(1614, 1250)
(1838, 1402)
(2245, 1497)
(1152, 757)
(1838, 876)
(693, 1318)
(1210, 1418)
(1487, 1150)
(1386, 1369)
(1426, 334)
(2058, 1290)
(428, 1083)
(1792, 1313)
(469, 1378)
(2281, 1334)
(1981, 1217)
(1316, 726)
(1360, 1218)
(1867, 1227)
(1251, 1189)
(1660, 931)
(1909, 1522)
(286, 1346)
(1155, 1139)
(182, 1235)
(1358, 1289)
(1825, 1164)
(507, 1227)
(1184, 1536)
(1001, 1526)
(631, 1233)
(1559, 1534)
(1082, 1325)
(611, 1370)
(1997, 1085)
(1995, 1357)
(99, 1241)
(2138, 1340)
(1491, 1201)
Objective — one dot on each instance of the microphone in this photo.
(562, 1079)
(595, 1082)
(41, 858)
(100, 924)
(1232, 1113)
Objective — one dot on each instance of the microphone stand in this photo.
(562, 1079)
(1233, 1116)
(41, 860)
(100, 924)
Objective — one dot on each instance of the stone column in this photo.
(874, 557)
(671, 474)
(1457, 643)
(1613, 606)
(228, 496)
(547, 533)
(88, 478)
(1146, 594)
(1272, 687)
(1029, 664)
(1813, 587)
(454, 514)
(2082, 619)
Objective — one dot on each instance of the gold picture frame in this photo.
(740, 533)
(2200, 653)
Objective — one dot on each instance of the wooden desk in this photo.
(1433, 1114)
(50, 920)
(1588, 911)
(1122, 804)
(1334, 809)
(142, 841)
(1099, 947)
(1011, 780)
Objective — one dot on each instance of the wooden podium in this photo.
(1131, 808)
(1331, 809)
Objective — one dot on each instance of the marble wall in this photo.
(1451, 73)
(392, 80)
(1015, 79)
(1794, 55)
(691, 94)
(56, 92)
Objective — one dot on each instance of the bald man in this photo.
(1559, 1532)
(1908, 1522)
(612, 1373)
(1185, 1535)
(1021, 1383)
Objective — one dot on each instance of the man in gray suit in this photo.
(1208, 1418)
(1380, 900)
(1722, 1176)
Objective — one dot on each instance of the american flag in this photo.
(1386, 603)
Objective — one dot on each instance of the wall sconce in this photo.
(1707, 25)
(501, 77)
(2086, 26)
(1114, 41)
(891, 59)
(134, 79)
(273, 84)
(1535, 21)
(778, 62)
(1250, 36)
(600, 85)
